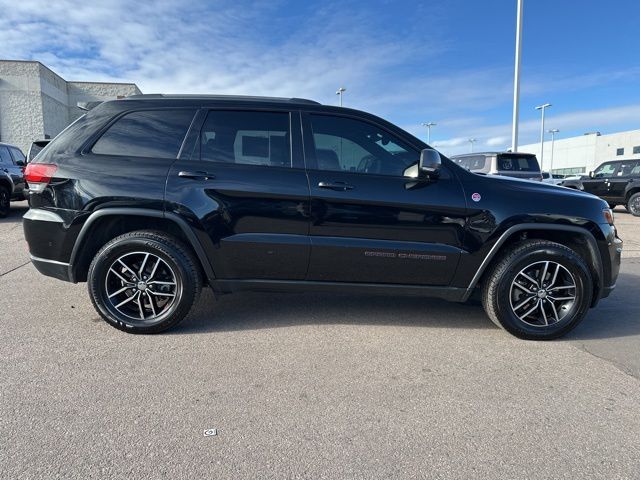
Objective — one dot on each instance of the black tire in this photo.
(503, 285)
(633, 205)
(167, 305)
(5, 199)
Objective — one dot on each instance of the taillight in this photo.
(38, 175)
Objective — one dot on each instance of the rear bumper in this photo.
(52, 268)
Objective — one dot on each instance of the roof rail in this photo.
(151, 96)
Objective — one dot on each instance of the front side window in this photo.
(349, 145)
(150, 133)
(249, 138)
(605, 170)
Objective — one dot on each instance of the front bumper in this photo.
(52, 268)
(612, 261)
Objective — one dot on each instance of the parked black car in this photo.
(617, 182)
(36, 147)
(12, 186)
(150, 198)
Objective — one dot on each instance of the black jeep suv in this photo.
(617, 182)
(147, 199)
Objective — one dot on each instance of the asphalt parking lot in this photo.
(312, 386)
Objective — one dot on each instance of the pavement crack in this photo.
(14, 268)
(618, 365)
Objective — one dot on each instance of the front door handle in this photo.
(198, 175)
(339, 186)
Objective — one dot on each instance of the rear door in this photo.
(371, 222)
(600, 183)
(627, 172)
(245, 191)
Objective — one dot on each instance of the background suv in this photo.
(617, 182)
(12, 186)
(152, 197)
(516, 165)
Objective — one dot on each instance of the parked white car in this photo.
(552, 179)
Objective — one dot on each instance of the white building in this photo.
(586, 152)
(37, 103)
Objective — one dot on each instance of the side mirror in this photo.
(592, 175)
(430, 162)
(21, 163)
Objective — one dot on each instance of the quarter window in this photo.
(151, 133)
(249, 138)
(349, 145)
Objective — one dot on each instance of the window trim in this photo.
(87, 147)
(309, 143)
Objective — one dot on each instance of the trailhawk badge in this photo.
(476, 197)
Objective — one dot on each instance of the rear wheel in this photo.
(144, 282)
(633, 205)
(4, 201)
(539, 290)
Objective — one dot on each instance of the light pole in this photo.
(542, 109)
(340, 91)
(516, 80)
(472, 141)
(429, 125)
(553, 132)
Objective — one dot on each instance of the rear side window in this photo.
(151, 133)
(5, 157)
(17, 155)
(476, 162)
(515, 163)
(248, 138)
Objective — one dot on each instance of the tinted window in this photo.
(348, 145)
(628, 168)
(250, 138)
(17, 155)
(605, 169)
(5, 157)
(518, 163)
(152, 133)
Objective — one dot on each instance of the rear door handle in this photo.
(198, 175)
(339, 186)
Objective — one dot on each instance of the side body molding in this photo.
(141, 212)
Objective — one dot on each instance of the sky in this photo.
(444, 61)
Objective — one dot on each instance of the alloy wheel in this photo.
(543, 293)
(141, 286)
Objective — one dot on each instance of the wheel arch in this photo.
(631, 191)
(579, 239)
(106, 224)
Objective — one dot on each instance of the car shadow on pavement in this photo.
(18, 209)
(252, 310)
(615, 316)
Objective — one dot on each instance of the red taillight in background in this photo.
(38, 175)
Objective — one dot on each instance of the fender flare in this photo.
(495, 249)
(140, 212)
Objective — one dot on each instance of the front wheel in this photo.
(633, 205)
(144, 282)
(539, 290)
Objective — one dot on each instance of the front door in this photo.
(599, 183)
(372, 222)
(245, 189)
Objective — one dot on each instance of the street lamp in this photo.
(429, 125)
(340, 91)
(542, 109)
(553, 132)
(472, 141)
(516, 79)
